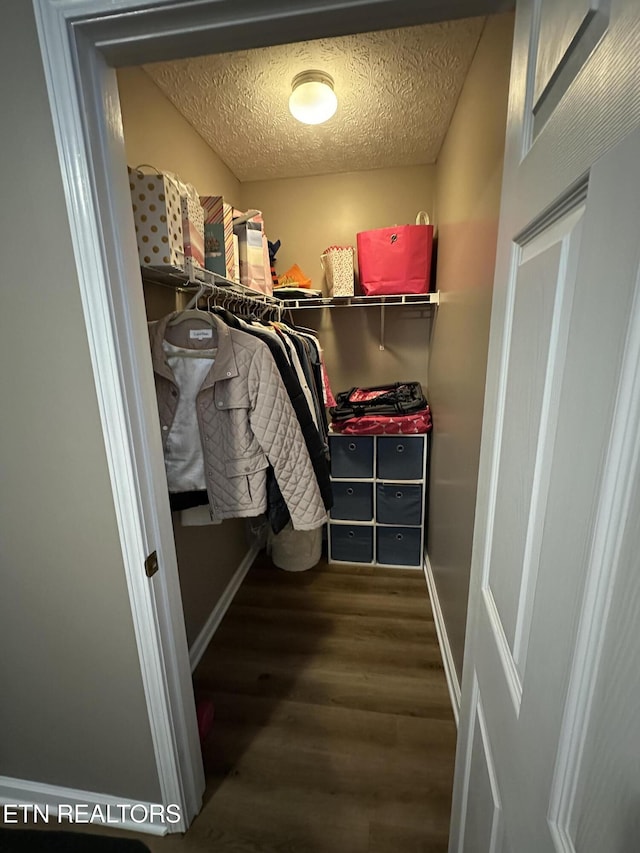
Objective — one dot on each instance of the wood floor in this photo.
(333, 728)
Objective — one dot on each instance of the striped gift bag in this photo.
(218, 236)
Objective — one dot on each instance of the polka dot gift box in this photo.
(157, 214)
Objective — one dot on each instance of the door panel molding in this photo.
(540, 324)
(550, 221)
(497, 823)
(536, 293)
(585, 40)
(479, 727)
(509, 667)
(562, 206)
(590, 119)
(530, 78)
(621, 470)
(456, 838)
(502, 361)
(571, 224)
(490, 607)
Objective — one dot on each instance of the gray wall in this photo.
(72, 711)
(330, 210)
(469, 177)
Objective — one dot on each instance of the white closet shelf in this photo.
(193, 276)
(189, 279)
(408, 300)
(362, 301)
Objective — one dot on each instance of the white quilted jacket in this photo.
(246, 421)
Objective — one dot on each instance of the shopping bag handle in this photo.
(181, 186)
(422, 214)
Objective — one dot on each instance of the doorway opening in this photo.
(116, 309)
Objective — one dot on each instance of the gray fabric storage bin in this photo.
(351, 456)
(397, 503)
(352, 501)
(400, 457)
(351, 543)
(398, 546)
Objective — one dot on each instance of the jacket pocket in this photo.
(233, 414)
(246, 478)
(227, 397)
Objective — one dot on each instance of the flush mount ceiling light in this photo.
(312, 99)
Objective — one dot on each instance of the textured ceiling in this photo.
(397, 90)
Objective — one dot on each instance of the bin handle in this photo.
(352, 446)
(398, 494)
(349, 491)
(400, 448)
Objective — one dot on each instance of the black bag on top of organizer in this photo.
(400, 407)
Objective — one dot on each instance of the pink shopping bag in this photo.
(396, 260)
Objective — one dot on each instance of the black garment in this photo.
(187, 500)
(316, 366)
(278, 514)
(302, 349)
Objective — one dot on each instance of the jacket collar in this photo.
(224, 365)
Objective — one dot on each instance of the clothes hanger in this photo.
(266, 314)
(211, 295)
(194, 313)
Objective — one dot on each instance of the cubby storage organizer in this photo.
(380, 497)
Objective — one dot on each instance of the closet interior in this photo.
(440, 340)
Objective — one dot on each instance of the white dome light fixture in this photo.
(312, 99)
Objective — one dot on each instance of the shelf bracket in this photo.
(381, 345)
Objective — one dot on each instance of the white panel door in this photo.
(550, 689)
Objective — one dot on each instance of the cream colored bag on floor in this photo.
(295, 550)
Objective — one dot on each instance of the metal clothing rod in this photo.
(198, 275)
(194, 278)
(231, 299)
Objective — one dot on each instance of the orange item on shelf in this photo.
(294, 277)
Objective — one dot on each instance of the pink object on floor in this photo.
(204, 715)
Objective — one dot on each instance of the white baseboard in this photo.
(215, 617)
(443, 639)
(59, 808)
